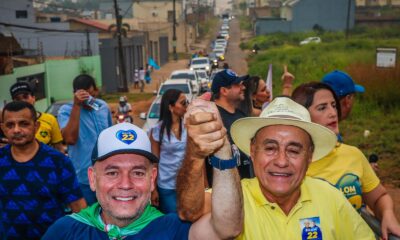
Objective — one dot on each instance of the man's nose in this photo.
(281, 159)
(125, 181)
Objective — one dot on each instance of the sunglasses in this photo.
(185, 103)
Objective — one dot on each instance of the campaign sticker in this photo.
(126, 136)
(311, 228)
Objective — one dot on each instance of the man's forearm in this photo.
(190, 188)
(227, 199)
(70, 132)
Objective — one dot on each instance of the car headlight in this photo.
(207, 68)
(191, 69)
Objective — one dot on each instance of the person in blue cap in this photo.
(345, 89)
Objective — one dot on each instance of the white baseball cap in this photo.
(122, 138)
(284, 111)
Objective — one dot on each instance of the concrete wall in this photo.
(330, 14)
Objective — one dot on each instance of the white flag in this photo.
(269, 81)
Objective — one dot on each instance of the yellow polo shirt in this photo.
(321, 207)
(49, 131)
(348, 170)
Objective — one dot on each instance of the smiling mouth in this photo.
(275, 174)
(124, 199)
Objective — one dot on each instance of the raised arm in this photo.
(226, 218)
(70, 132)
(203, 139)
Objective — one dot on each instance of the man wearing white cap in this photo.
(123, 175)
(278, 203)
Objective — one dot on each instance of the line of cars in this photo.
(193, 81)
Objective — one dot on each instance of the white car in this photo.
(224, 33)
(310, 40)
(200, 63)
(218, 47)
(204, 79)
(222, 42)
(220, 54)
(225, 27)
(181, 84)
(187, 74)
(153, 114)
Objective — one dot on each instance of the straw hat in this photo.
(283, 111)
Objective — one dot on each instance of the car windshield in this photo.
(183, 87)
(183, 76)
(199, 61)
(155, 111)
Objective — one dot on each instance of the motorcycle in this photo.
(124, 118)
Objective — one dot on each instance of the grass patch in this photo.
(132, 97)
(377, 110)
(245, 23)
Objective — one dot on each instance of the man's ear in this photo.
(92, 178)
(37, 126)
(153, 177)
(252, 151)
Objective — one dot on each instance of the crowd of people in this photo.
(234, 163)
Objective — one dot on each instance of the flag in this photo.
(269, 81)
(153, 63)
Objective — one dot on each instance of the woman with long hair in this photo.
(256, 95)
(345, 167)
(168, 142)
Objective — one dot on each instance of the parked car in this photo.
(55, 106)
(152, 116)
(200, 63)
(187, 74)
(310, 40)
(181, 84)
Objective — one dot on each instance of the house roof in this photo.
(91, 23)
(9, 45)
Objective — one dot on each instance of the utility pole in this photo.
(174, 30)
(123, 86)
(88, 48)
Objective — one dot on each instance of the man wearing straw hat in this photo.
(278, 203)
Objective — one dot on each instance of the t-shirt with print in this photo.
(35, 193)
(348, 170)
(49, 132)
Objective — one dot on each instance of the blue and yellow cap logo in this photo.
(126, 136)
